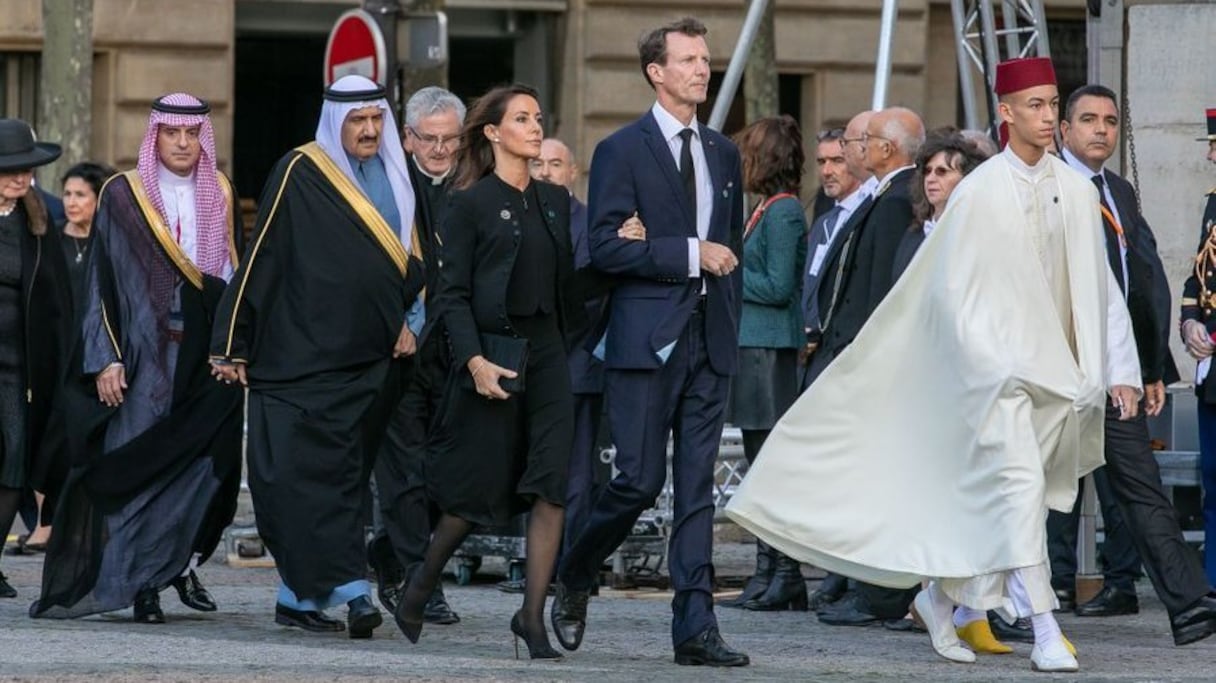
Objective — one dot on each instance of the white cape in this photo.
(934, 444)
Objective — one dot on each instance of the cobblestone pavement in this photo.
(627, 640)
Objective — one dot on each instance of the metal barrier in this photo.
(640, 558)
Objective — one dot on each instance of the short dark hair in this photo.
(92, 173)
(773, 160)
(830, 135)
(1091, 90)
(652, 47)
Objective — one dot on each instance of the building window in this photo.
(19, 85)
(1069, 55)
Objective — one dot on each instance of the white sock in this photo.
(1046, 628)
(941, 603)
(965, 615)
(192, 565)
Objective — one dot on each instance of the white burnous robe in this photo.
(971, 402)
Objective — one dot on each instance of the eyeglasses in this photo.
(433, 140)
(866, 137)
(847, 141)
(940, 171)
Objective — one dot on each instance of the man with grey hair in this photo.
(855, 279)
(433, 119)
(982, 140)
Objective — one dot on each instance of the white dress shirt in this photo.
(1086, 171)
(671, 127)
(177, 195)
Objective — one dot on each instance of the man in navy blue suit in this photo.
(556, 165)
(671, 338)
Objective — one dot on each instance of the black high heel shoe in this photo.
(537, 650)
(411, 627)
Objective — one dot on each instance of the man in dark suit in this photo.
(856, 276)
(1091, 130)
(433, 117)
(846, 181)
(556, 165)
(671, 339)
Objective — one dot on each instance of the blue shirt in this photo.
(373, 179)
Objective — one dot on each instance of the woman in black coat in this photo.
(34, 312)
(496, 448)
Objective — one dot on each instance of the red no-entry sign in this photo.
(356, 46)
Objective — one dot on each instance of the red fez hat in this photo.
(1019, 74)
(1211, 136)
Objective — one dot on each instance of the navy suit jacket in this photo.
(1148, 287)
(633, 170)
(586, 371)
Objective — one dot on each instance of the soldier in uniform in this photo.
(1199, 334)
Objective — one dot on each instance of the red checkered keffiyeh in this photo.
(210, 207)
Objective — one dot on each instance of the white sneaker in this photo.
(941, 633)
(1053, 656)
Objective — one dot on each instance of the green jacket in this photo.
(774, 255)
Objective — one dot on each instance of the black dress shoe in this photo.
(390, 578)
(6, 590)
(389, 594)
(147, 607)
(1067, 598)
(438, 611)
(831, 588)
(1195, 622)
(850, 610)
(568, 616)
(362, 617)
(309, 620)
(1110, 602)
(192, 593)
(1019, 631)
(708, 649)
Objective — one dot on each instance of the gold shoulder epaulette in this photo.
(1211, 191)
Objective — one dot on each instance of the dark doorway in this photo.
(789, 101)
(478, 64)
(278, 88)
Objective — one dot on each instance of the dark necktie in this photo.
(687, 173)
(1114, 234)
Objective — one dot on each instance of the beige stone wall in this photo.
(144, 49)
(832, 44)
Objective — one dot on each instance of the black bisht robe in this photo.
(314, 310)
(154, 480)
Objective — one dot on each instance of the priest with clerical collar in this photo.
(315, 324)
(159, 464)
(433, 119)
(970, 403)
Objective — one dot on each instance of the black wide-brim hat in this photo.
(19, 151)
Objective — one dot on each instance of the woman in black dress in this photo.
(495, 449)
(34, 309)
(81, 186)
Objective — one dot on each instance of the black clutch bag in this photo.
(506, 352)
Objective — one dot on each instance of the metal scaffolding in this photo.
(982, 45)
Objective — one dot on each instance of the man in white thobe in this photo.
(985, 371)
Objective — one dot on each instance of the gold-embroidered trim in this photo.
(161, 231)
(105, 320)
(384, 235)
(253, 254)
(226, 188)
(1189, 301)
